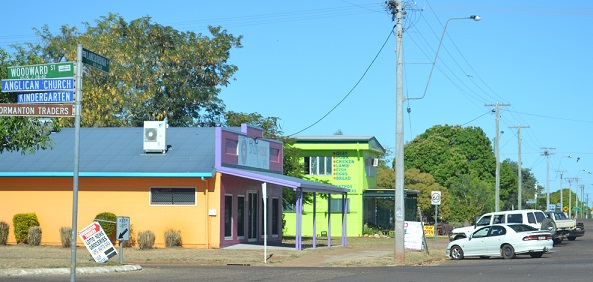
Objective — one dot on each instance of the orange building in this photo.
(208, 183)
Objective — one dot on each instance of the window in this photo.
(274, 155)
(228, 216)
(318, 165)
(230, 147)
(515, 218)
(173, 196)
(485, 220)
(530, 217)
(499, 218)
(336, 205)
(369, 168)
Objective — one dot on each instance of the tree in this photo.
(470, 197)
(425, 183)
(24, 134)
(156, 72)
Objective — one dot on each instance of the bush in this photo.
(21, 223)
(145, 240)
(172, 238)
(34, 236)
(4, 229)
(66, 236)
(106, 219)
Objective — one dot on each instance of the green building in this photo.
(344, 161)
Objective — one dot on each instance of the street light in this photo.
(399, 250)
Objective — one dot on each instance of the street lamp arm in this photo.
(473, 17)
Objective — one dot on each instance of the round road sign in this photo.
(435, 197)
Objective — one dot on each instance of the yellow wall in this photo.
(52, 200)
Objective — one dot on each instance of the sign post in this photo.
(435, 199)
(123, 234)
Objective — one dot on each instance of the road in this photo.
(571, 261)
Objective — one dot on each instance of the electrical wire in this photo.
(351, 90)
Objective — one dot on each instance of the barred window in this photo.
(336, 205)
(318, 165)
(173, 196)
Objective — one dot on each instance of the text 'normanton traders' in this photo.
(40, 110)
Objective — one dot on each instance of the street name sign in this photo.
(57, 70)
(37, 110)
(97, 242)
(95, 60)
(46, 97)
(35, 85)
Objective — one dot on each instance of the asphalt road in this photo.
(571, 261)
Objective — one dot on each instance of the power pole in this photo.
(547, 153)
(519, 193)
(396, 7)
(497, 152)
(561, 189)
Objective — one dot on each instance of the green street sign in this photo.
(57, 70)
(576, 208)
(95, 60)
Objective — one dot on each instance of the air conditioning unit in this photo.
(375, 162)
(154, 136)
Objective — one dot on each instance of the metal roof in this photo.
(117, 152)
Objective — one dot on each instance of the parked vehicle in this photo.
(502, 240)
(560, 226)
(579, 231)
(533, 218)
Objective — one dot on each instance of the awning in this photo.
(283, 180)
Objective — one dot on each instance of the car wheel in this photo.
(456, 253)
(548, 225)
(536, 255)
(508, 252)
(557, 241)
(571, 238)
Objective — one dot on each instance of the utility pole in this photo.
(561, 189)
(497, 152)
(519, 193)
(547, 153)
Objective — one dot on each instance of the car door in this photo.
(493, 240)
(476, 245)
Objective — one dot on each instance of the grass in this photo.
(359, 252)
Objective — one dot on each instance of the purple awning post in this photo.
(329, 221)
(314, 220)
(299, 219)
(344, 213)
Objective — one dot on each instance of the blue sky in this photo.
(303, 58)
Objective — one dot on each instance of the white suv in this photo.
(532, 218)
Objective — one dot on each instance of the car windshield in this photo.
(560, 215)
(522, 228)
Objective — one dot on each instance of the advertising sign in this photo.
(413, 235)
(97, 242)
(254, 153)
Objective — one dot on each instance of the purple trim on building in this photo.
(329, 221)
(344, 214)
(314, 220)
(217, 147)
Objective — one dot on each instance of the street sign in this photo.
(123, 228)
(95, 60)
(37, 110)
(46, 97)
(565, 209)
(576, 208)
(97, 242)
(435, 197)
(34, 85)
(552, 207)
(58, 70)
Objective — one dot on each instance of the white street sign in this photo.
(123, 228)
(435, 197)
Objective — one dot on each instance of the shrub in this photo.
(145, 240)
(172, 238)
(4, 229)
(66, 236)
(34, 236)
(106, 219)
(21, 223)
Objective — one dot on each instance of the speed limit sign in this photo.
(435, 197)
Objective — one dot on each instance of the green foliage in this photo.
(424, 182)
(66, 236)
(34, 236)
(385, 177)
(172, 238)
(469, 197)
(108, 223)
(21, 223)
(370, 230)
(4, 229)
(156, 72)
(146, 240)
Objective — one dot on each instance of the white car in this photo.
(502, 240)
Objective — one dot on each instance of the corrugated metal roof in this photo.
(117, 152)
